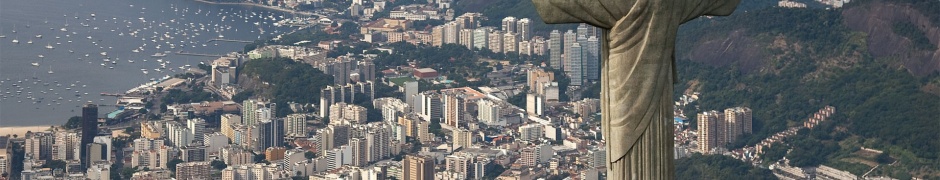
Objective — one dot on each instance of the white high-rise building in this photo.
(197, 127)
(411, 88)
(451, 33)
(250, 113)
(582, 29)
(463, 138)
(592, 59)
(510, 42)
(488, 111)
(480, 36)
(555, 50)
(466, 38)
(178, 134)
(575, 66)
(569, 39)
(530, 132)
(524, 28)
(495, 42)
(296, 125)
(509, 24)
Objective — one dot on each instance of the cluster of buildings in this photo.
(716, 129)
(83, 152)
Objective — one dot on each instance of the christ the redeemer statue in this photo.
(637, 74)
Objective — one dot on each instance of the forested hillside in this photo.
(787, 63)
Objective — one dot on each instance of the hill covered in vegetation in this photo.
(876, 61)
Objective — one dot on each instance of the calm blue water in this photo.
(31, 95)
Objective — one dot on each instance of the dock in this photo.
(197, 54)
(229, 40)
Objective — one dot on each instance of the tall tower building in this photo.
(495, 42)
(295, 125)
(437, 36)
(272, 134)
(197, 127)
(431, 106)
(488, 111)
(555, 50)
(575, 66)
(524, 28)
(510, 42)
(738, 122)
(463, 138)
(592, 59)
(466, 38)
(418, 167)
(583, 29)
(451, 33)
(359, 152)
(570, 39)
(480, 35)
(89, 130)
(509, 24)
(709, 130)
(250, 111)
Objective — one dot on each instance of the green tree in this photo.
(309, 155)
(700, 166)
(218, 164)
(259, 158)
(74, 122)
(435, 127)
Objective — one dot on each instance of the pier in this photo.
(197, 54)
(229, 40)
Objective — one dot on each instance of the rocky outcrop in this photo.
(877, 20)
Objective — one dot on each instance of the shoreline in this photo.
(21, 130)
(258, 5)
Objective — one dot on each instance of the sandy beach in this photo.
(21, 130)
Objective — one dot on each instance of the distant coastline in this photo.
(21, 130)
(257, 5)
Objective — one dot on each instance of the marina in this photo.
(53, 63)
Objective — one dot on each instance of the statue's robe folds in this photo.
(637, 74)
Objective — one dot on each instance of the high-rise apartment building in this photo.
(295, 125)
(555, 49)
(466, 38)
(717, 129)
(575, 66)
(592, 59)
(495, 42)
(524, 28)
(741, 118)
(570, 37)
(454, 108)
(193, 170)
(437, 36)
(709, 130)
(254, 110)
(418, 167)
(510, 42)
(480, 36)
(89, 130)
(488, 111)
(509, 24)
(197, 128)
(462, 138)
